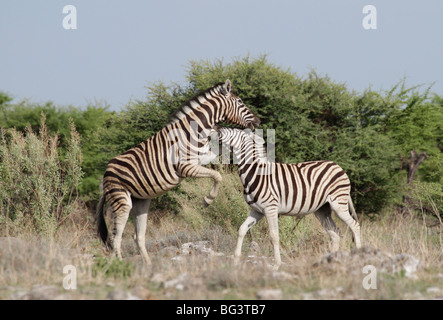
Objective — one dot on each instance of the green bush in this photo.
(427, 196)
(38, 183)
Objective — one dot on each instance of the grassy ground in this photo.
(31, 266)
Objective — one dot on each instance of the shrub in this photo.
(38, 184)
(427, 196)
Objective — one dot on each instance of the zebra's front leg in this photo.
(196, 171)
(251, 220)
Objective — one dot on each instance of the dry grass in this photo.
(27, 260)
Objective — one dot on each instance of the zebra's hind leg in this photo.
(271, 215)
(341, 208)
(140, 211)
(324, 216)
(251, 220)
(120, 219)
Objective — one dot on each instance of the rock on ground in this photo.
(384, 261)
(269, 294)
(40, 292)
(198, 248)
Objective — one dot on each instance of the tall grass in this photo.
(38, 183)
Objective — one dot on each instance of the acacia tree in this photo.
(418, 129)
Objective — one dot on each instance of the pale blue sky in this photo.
(122, 46)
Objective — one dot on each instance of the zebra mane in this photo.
(186, 107)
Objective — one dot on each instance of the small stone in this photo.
(158, 277)
(284, 276)
(176, 283)
(433, 290)
(39, 292)
(408, 263)
(142, 293)
(121, 295)
(270, 294)
(169, 251)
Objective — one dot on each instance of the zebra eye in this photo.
(239, 101)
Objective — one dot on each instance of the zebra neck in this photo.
(188, 138)
(200, 118)
(206, 109)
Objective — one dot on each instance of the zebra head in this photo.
(247, 146)
(230, 137)
(239, 139)
(236, 111)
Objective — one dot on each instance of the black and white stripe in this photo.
(273, 189)
(158, 164)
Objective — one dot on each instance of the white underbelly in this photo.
(295, 211)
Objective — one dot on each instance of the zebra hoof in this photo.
(207, 202)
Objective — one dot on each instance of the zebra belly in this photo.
(159, 192)
(142, 179)
(282, 209)
(154, 189)
(286, 210)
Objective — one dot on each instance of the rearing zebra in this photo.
(158, 164)
(272, 188)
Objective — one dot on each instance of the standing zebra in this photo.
(158, 164)
(272, 188)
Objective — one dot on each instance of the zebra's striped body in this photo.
(273, 189)
(158, 164)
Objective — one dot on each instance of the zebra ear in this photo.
(227, 87)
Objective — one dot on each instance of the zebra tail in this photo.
(102, 229)
(352, 209)
(353, 213)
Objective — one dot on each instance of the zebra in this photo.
(161, 162)
(297, 189)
